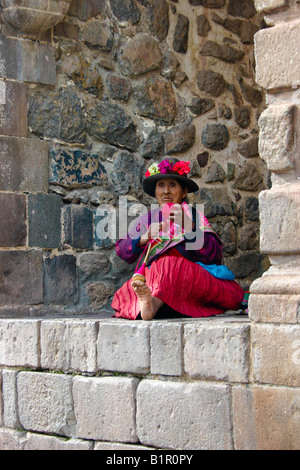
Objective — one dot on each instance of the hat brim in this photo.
(149, 183)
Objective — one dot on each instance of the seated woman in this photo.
(182, 276)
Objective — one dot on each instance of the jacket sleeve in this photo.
(127, 248)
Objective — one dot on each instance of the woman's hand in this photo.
(151, 234)
(176, 214)
(179, 217)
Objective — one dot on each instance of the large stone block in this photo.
(27, 61)
(140, 55)
(185, 416)
(19, 341)
(34, 16)
(23, 165)
(45, 403)
(276, 139)
(166, 348)
(13, 230)
(281, 308)
(9, 392)
(75, 168)
(217, 351)
(21, 278)
(68, 345)
(276, 354)
(13, 109)
(78, 227)
(124, 347)
(109, 122)
(243, 417)
(105, 408)
(278, 48)
(60, 280)
(155, 99)
(44, 224)
(44, 108)
(279, 216)
(277, 418)
(273, 422)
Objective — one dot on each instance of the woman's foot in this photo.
(148, 304)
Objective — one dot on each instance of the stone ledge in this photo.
(179, 348)
(113, 384)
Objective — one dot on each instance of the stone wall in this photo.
(87, 384)
(115, 385)
(99, 91)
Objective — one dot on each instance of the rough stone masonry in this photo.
(99, 91)
(234, 381)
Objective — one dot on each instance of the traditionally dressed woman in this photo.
(184, 274)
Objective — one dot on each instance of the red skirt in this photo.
(184, 286)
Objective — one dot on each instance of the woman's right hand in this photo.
(151, 234)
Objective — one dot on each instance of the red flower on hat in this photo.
(182, 168)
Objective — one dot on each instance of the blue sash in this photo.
(218, 271)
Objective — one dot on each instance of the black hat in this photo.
(168, 168)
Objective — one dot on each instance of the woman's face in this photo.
(169, 190)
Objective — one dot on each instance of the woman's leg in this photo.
(149, 305)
